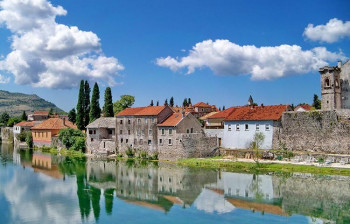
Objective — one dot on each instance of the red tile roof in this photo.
(172, 120)
(224, 113)
(142, 111)
(25, 124)
(201, 104)
(248, 113)
(41, 112)
(306, 107)
(54, 124)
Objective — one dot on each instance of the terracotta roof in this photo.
(306, 107)
(25, 124)
(201, 104)
(248, 113)
(54, 123)
(181, 109)
(223, 114)
(41, 112)
(142, 111)
(256, 206)
(208, 115)
(172, 120)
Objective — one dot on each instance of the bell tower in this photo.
(331, 88)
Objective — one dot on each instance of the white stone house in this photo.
(22, 126)
(242, 124)
(101, 136)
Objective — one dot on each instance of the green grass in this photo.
(262, 167)
(63, 152)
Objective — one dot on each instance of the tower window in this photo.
(326, 82)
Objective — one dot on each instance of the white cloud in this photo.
(333, 31)
(4, 80)
(263, 63)
(47, 54)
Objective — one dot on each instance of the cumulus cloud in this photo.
(48, 54)
(263, 63)
(333, 31)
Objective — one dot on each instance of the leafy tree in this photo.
(51, 111)
(189, 101)
(86, 103)
(171, 102)
(80, 107)
(151, 104)
(258, 140)
(4, 118)
(185, 103)
(95, 110)
(72, 138)
(108, 107)
(29, 139)
(72, 116)
(13, 120)
(24, 116)
(166, 102)
(316, 103)
(124, 102)
(157, 102)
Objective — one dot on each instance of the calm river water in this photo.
(40, 188)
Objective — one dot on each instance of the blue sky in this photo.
(137, 33)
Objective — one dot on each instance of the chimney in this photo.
(339, 64)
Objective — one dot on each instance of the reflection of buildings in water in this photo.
(42, 163)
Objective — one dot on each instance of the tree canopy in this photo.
(108, 106)
(24, 116)
(95, 110)
(80, 107)
(72, 139)
(125, 101)
(316, 102)
(72, 116)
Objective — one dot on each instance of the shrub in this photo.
(143, 154)
(72, 138)
(21, 136)
(129, 152)
(29, 139)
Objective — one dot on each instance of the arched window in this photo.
(326, 83)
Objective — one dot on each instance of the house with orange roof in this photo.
(242, 123)
(137, 127)
(22, 126)
(46, 133)
(38, 115)
(198, 110)
(302, 107)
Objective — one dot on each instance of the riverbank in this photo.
(266, 166)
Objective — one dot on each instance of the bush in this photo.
(29, 139)
(72, 139)
(154, 156)
(129, 152)
(143, 154)
(21, 136)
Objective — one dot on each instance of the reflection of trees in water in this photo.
(255, 187)
(109, 200)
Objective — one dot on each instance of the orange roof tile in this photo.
(141, 111)
(201, 104)
(306, 107)
(248, 113)
(25, 124)
(54, 123)
(172, 120)
(208, 115)
(41, 112)
(223, 114)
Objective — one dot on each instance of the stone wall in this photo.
(6, 134)
(314, 131)
(188, 146)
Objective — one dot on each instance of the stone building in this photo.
(101, 136)
(137, 127)
(198, 110)
(38, 115)
(335, 88)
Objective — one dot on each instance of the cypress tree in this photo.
(108, 106)
(223, 108)
(24, 116)
(171, 101)
(185, 103)
(95, 110)
(86, 103)
(166, 102)
(157, 102)
(72, 116)
(151, 103)
(80, 107)
(189, 101)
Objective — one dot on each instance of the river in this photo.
(41, 188)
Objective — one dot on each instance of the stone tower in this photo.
(331, 87)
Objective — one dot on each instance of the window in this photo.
(110, 131)
(146, 120)
(139, 121)
(120, 132)
(92, 139)
(138, 132)
(188, 131)
(229, 127)
(246, 127)
(170, 142)
(121, 121)
(257, 127)
(135, 141)
(153, 120)
(150, 132)
(149, 142)
(326, 83)
(104, 144)
(94, 132)
(267, 127)
(170, 131)
(163, 131)
(128, 132)
(141, 141)
(90, 132)
(160, 141)
(142, 132)
(129, 121)
(237, 127)
(121, 140)
(191, 130)
(126, 140)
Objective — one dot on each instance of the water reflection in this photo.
(55, 189)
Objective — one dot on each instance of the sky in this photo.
(218, 52)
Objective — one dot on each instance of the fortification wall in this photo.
(314, 131)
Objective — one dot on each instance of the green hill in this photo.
(15, 103)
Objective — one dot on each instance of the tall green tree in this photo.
(4, 118)
(151, 104)
(316, 102)
(171, 102)
(185, 103)
(80, 107)
(24, 116)
(108, 106)
(157, 102)
(124, 102)
(189, 101)
(51, 111)
(95, 110)
(166, 102)
(223, 108)
(72, 116)
(86, 103)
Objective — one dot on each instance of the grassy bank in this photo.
(262, 167)
(63, 152)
